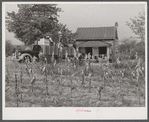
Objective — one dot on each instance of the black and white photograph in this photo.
(85, 57)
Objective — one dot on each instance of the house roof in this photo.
(93, 44)
(91, 33)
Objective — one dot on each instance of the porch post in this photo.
(113, 55)
(108, 54)
(93, 53)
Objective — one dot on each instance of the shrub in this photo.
(128, 49)
(140, 49)
(10, 49)
(19, 47)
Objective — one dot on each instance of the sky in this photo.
(91, 14)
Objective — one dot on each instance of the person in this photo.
(38, 48)
(80, 55)
(85, 56)
(89, 56)
(75, 53)
(40, 55)
(16, 54)
(110, 58)
(75, 45)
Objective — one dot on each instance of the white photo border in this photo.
(69, 113)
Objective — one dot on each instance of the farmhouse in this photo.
(98, 41)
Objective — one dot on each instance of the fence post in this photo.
(16, 89)
(46, 83)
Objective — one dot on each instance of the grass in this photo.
(66, 86)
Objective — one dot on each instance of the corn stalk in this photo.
(60, 90)
(71, 82)
(82, 78)
(17, 90)
(120, 83)
(16, 87)
(27, 71)
(104, 80)
(122, 75)
(21, 75)
(90, 85)
(17, 100)
(138, 72)
(61, 71)
(46, 83)
(99, 92)
(7, 75)
(21, 98)
(118, 62)
(139, 85)
(32, 83)
(71, 91)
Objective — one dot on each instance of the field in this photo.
(65, 85)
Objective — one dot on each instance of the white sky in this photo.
(87, 14)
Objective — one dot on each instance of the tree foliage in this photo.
(66, 36)
(137, 25)
(129, 48)
(33, 21)
(140, 49)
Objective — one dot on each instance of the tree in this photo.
(137, 25)
(66, 35)
(33, 21)
(129, 49)
(140, 49)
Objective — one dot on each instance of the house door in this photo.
(88, 50)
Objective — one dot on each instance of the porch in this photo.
(97, 49)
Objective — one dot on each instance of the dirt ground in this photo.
(54, 89)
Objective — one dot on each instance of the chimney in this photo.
(116, 24)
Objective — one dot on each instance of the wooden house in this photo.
(48, 48)
(98, 41)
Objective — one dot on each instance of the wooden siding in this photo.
(82, 49)
(95, 51)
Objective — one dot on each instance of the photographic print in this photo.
(82, 57)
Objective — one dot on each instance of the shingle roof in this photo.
(96, 33)
(93, 44)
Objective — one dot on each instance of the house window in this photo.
(88, 50)
(102, 50)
